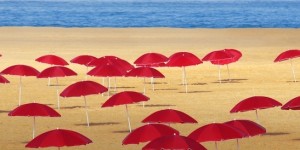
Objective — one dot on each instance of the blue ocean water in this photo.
(153, 13)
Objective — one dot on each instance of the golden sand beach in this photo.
(207, 101)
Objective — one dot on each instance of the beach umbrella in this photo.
(108, 70)
(289, 55)
(147, 133)
(149, 59)
(216, 132)
(56, 72)
(145, 72)
(58, 138)
(34, 110)
(83, 60)
(173, 142)
(52, 60)
(183, 59)
(20, 70)
(169, 116)
(293, 104)
(255, 103)
(3, 79)
(112, 60)
(218, 57)
(125, 98)
(236, 56)
(250, 128)
(83, 88)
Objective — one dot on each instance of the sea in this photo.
(151, 13)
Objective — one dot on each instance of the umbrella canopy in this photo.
(236, 56)
(254, 103)
(169, 116)
(3, 79)
(124, 98)
(216, 132)
(173, 142)
(56, 71)
(112, 60)
(289, 55)
(34, 110)
(58, 138)
(145, 72)
(147, 133)
(293, 104)
(107, 70)
(183, 59)
(52, 60)
(20, 70)
(249, 127)
(83, 60)
(83, 88)
(150, 59)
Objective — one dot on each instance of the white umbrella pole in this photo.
(33, 129)
(20, 90)
(237, 144)
(58, 106)
(128, 118)
(115, 84)
(86, 112)
(216, 145)
(293, 70)
(152, 82)
(220, 74)
(257, 116)
(49, 82)
(108, 85)
(185, 81)
(183, 76)
(229, 79)
(144, 90)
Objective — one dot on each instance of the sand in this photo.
(207, 100)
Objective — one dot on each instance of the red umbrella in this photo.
(183, 59)
(112, 60)
(3, 79)
(150, 59)
(34, 110)
(52, 60)
(108, 70)
(56, 71)
(236, 56)
(83, 88)
(58, 138)
(293, 104)
(289, 55)
(20, 70)
(124, 98)
(173, 142)
(83, 60)
(255, 103)
(147, 133)
(216, 132)
(145, 72)
(218, 57)
(169, 116)
(250, 128)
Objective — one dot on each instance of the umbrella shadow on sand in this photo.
(125, 87)
(57, 85)
(230, 81)
(158, 105)
(72, 107)
(121, 131)
(99, 123)
(275, 133)
(196, 92)
(4, 111)
(198, 83)
(168, 89)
